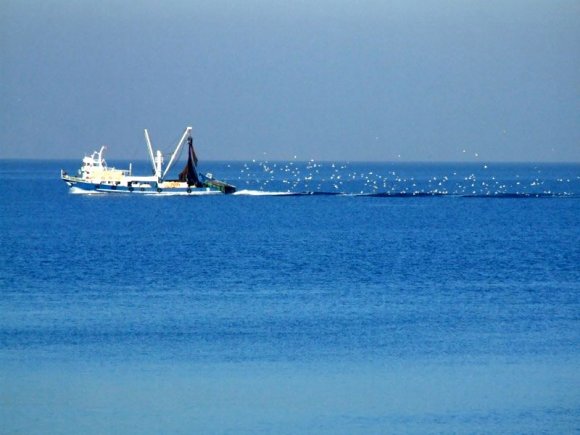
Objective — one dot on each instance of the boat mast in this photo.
(177, 149)
(151, 155)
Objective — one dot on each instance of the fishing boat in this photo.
(95, 176)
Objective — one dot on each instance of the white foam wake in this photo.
(78, 191)
(261, 193)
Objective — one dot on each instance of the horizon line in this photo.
(574, 162)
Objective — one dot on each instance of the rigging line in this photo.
(168, 155)
(170, 152)
(178, 157)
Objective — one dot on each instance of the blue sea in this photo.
(368, 299)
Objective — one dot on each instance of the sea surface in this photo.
(331, 298)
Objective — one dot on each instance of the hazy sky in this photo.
(328, 80)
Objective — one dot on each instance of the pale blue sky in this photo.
(327, 80)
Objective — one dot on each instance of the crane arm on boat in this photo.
(176, 152)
